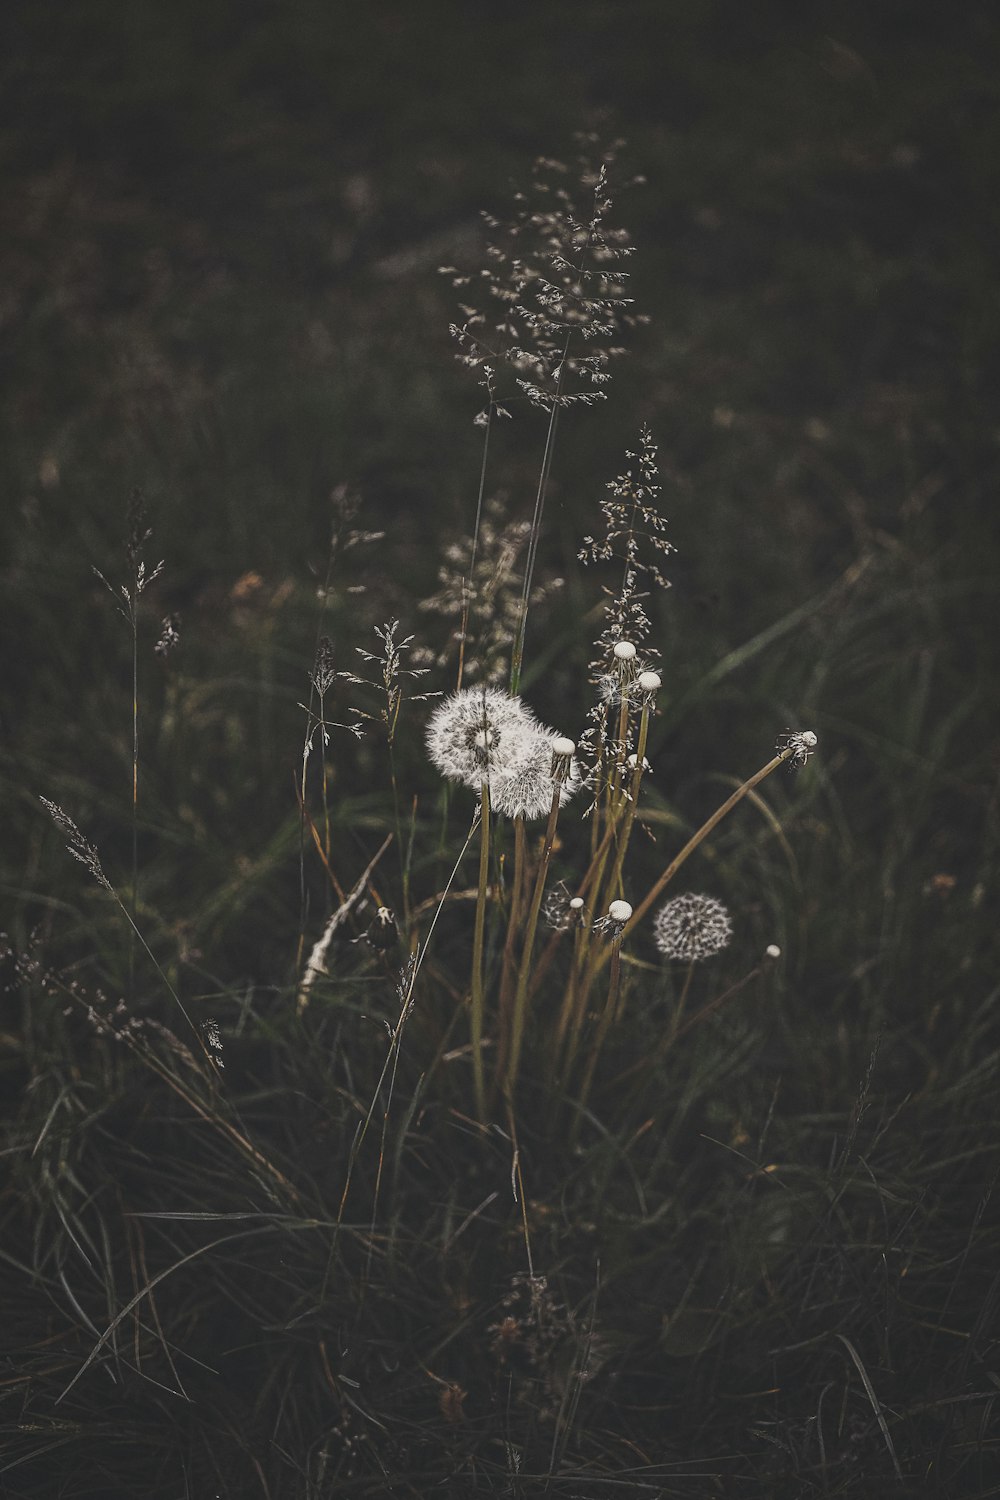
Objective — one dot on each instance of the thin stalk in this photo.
(507, 980)
(467, 594)
(521, 998)
(603, 1026)
(517, 654)
(134, 893)
(630, 809)
(322, 773)
(478, 1002)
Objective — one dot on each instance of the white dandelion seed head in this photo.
(526, 788)
(692, 927)
(624, 651)
(633, 760)
(772, 951)
(563, 746)
(619, 911)
(477, 733)
(650, 682)
(576, 903)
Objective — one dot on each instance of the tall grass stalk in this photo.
(513, 1059)
(478, 1000)
(517, 653)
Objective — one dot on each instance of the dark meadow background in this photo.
(219, 282)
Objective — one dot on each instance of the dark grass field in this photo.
(776, 1272)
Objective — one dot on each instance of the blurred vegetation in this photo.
(219, 283)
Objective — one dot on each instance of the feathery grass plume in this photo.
(322, 677)
(170, 635)
(560, 286)
(479, 590)
(86, 854)
(555, 268)
(634, 530)
(633, 538)
(692, 927)
(390, 678)
(80, 848)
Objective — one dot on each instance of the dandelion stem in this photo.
(524, 974)
(603, 1025)
(633, 799)
(478, 1004)
(518, 885)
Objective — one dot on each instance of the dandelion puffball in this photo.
(624, 651)
(478, 732)
(619, 911)
(649, 682)
(692, 927)
(526, 789)
(481, 735)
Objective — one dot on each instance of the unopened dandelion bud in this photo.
(649, 682)
(614, 922)
(624, 651)
(772, 951)
(562, 757)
